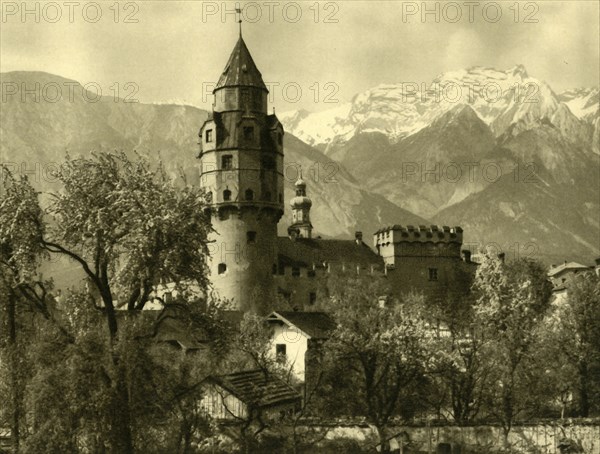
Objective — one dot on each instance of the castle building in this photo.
(241, 160)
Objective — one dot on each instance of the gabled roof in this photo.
(257, 388)
(567, 266)
(306, 251)
(315, 325)
(240, 69)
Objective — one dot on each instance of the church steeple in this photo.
(301, 210)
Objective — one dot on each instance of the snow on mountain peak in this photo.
(498, 97)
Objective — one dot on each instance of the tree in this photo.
(511, 300)
(21, 230)
(460, 373)
(380, 343)
(129, 228)
(572, 343)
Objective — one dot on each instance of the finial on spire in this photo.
(239, 13)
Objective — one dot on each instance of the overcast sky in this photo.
(175, 48)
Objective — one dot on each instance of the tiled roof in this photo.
(255, 387)
(317, 325)
(240, 69)
(566, 266)
(306, 251)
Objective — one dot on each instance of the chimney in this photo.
(466, 255)
(502, 256)
(358, 237)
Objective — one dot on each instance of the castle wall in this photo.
(424, 259)
(297, 286)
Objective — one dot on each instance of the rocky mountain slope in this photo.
(35, 136)
(498, 152)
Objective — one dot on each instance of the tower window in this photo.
(222, 268)
(433, 274)
(249, 194)
(226, 195)
(280, 198)
(248, 132)
(312, 298)
(280, 139)
(274, 268)
(227, 162)
(251, 237)
(209, 135)
(266, 196)
(268, 163)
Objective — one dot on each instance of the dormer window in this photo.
(209, 135)
(249, 133)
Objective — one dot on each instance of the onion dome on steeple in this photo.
(300, 200)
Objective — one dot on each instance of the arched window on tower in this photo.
(222, 268)
(226, 195)
(249, 194)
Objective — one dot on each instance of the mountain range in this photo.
(497, 152)
(521, 172)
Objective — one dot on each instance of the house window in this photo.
(312, 298)
(251, 237)
(281, 269)
(295, 271)
(209, 135)
(280, 352)
(222, 268)
(433, 274)
(226, 195)
(249, 194)
(248, 132)
(227, 162)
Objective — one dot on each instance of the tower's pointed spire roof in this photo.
(240, 69)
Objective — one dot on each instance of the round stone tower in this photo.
(241, 159)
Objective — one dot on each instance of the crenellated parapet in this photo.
(399, 241)
(420, 234)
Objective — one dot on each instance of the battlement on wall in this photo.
(421, 234)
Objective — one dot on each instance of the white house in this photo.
(294, 334)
